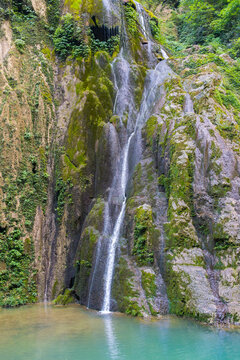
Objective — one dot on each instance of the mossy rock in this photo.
(122, 290)
(65, 298)
(149, 284)
(143, 231)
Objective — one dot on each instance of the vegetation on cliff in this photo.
(58, 95)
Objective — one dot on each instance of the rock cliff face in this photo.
(61, 138)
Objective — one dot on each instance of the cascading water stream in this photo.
(150, 95)
(123, 103)
(145, 29)
(131, 140)
(144, 23)
(140, 11)
(116, 232)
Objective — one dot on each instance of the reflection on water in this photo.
(72, 333)
(111, 337)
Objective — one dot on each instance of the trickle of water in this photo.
(144, 23)
(108, 7)
(140, 11)
(124, 99)
(164, 54)
(98, 252)
(188, 106)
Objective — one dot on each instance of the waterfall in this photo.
(150, 95)
(116, 232)
(130, 140)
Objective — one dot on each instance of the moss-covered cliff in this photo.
(60, 141)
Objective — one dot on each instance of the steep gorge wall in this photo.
(180, 241)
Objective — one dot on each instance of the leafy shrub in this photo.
(142, 233)
(68, 39)
(131, 18)
(17, 286)
(110, 46)
(53, 13)
(202, 21)
(20, 45)
(155, 29)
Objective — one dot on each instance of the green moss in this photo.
(178, 293)
(221, 238)
(62, 187)
(180, 296)
(228, 130)
(65, 298)
(54, 289)
(143, 230)
(94, 108)
(84, 261)
(180, 190)
(216, 151)
(149, 284)
(122, 290)
(220, 190)
(131, 16)
(150, 129)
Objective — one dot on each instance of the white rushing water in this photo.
(130, 139)
(151, 93)
(164, 54)
(116, 232)
(143, 25)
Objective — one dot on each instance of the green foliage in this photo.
(24, 7)
(28, 28)
(148, 284)
(155, 29)
(68, 39)
(131, 18)
(53, 13)
(203, 21)
(110, 46)
(17, 286)
(62, 188)
(134, 309)
(235, 50)
(65, 298)
(20, 45)
(142, 233)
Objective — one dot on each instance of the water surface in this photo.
(73, 333)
